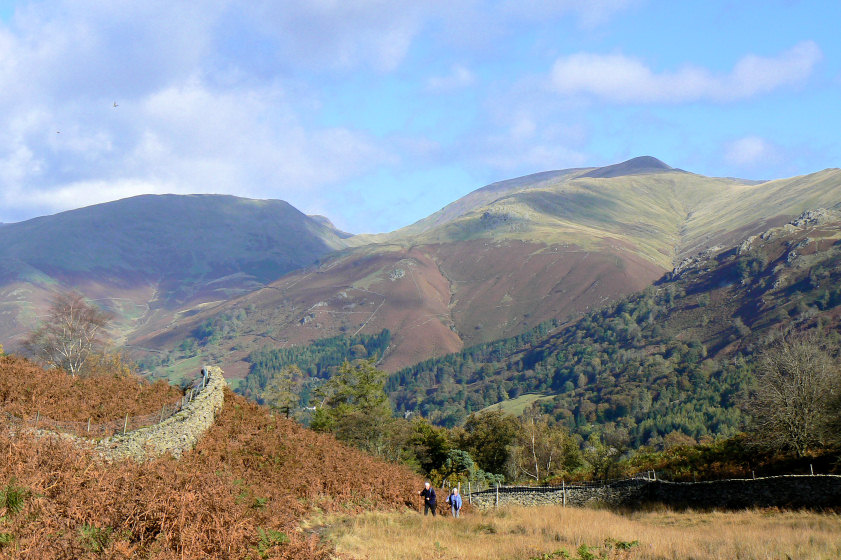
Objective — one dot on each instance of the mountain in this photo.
(674, 357)
(498, 262)
(638, 166)
(325, 221)
(148, 257)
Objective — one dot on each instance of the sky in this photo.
(377, 113)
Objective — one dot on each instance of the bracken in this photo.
(201, 506)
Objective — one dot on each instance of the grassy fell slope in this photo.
(672, 358)
(507, 257)
(241, 493)
(433, 298)
(147, 256)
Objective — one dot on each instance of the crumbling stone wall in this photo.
(176, 434)
(790, 491)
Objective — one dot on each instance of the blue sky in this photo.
(378, 113)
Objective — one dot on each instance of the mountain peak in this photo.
(326, 222)
(636, 166)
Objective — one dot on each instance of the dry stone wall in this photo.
(176, 434)
(791, 491)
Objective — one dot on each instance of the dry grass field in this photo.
(541, 532)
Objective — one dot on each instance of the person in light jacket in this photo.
(430, 500)
(454, 500)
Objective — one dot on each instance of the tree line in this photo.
(794, 404)
(313, 363)
(790, 405)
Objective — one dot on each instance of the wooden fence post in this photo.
(89, 424)
(162, 414)
(125, 425)
(469, 493)
(564, 490)
(497, 494)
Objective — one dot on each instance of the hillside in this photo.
(150, 258)
(674, 357)
(498, 262)
(26, 389)
(241, 493)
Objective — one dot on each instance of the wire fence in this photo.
(481, 487)
(484, 486)
(109, 428)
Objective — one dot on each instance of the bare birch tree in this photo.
(72, 331)
(797, 379)
(539, 450)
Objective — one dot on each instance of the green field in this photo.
(517, 406)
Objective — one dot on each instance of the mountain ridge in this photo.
(496, 263)
(148, 255)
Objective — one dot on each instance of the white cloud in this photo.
(191, 117)
(84, 193)
(522, 128)
(67, 50)
(327, 34)
(590, 13)
(528, 146)
(182, 139)
(751, 151)
(622, 79)
(536, 157)
(250, 141)
(459, 77)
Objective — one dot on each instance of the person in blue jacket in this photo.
(430, 500)
(454, 499)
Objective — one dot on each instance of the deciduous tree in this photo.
(429, 444)
(282, 393)
(487, 437)
(541, 450)
(354, 406)
(797, 381)
(72, 330)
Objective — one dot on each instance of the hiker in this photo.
(429, 498)
(454, 499)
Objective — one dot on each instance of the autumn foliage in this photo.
(27, 389)
(241, 493)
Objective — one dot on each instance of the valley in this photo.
(622, 309)
(193, 280)
(503, 260)
(420, 280)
